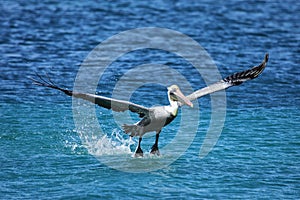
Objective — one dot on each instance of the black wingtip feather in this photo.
(266, 58)
(40, 81)
(240, 77)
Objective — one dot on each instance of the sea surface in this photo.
(45, 155)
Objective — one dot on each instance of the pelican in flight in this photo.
(155, 118)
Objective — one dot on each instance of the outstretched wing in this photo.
(105, 102)
(232, 80)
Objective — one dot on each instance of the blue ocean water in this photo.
(257, 154)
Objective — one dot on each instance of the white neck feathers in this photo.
(172, 108)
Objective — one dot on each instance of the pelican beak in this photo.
(183, 98)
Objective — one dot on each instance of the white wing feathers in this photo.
(232, 80)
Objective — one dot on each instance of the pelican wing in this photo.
(114, 104)
(232, 80)
(105, 102)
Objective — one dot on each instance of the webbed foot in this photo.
(138, 153)
(154, 150)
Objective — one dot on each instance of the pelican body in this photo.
(155, 118)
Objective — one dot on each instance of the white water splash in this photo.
(114, 144)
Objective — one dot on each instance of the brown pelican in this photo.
(155, 118)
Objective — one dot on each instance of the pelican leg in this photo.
(139, 151)
(154, 148)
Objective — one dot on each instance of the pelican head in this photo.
(175, 95)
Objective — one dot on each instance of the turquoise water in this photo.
(257, 154)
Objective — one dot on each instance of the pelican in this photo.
(155, 118)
